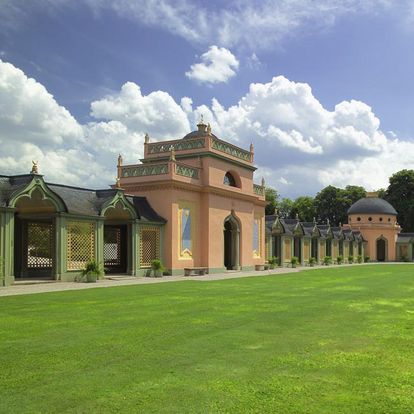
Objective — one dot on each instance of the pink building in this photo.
(203, 187)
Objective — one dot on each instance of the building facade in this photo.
(191, 203)
(203, 187)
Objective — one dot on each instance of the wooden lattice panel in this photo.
(81, 244)
(112, 247)
(39, 245)
(149, 245)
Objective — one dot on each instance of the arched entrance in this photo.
(117, 237)
(297, 248)
(231, 243)
(34, 236)
(381, 250)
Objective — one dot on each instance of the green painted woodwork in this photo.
(38, 183)
(231, 150)
(259, 189)
(144, 170)
(181, 145)
(186, 171)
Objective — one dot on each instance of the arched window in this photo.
(229, 180)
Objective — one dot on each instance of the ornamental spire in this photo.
(35, 168)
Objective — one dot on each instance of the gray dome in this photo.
(372, 205)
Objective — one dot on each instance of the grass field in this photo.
(321, 341)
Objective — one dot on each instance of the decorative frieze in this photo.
(258, 189)
(186, 171)
(181, 145)
(144, 170)
(230, 150)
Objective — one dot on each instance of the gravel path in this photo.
(111, 281)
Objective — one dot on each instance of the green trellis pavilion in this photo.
(51, 231)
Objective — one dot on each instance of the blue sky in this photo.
(332, 102)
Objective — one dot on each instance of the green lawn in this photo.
(336, 340)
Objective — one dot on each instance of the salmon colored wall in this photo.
(372, 230)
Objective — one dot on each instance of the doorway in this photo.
(115, 248)
(231, 244)
(381, 250)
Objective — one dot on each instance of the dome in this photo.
(203, 130)
(372, 205)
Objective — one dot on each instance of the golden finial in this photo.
(172, 154)
(118, 182)
(251, 147)
(276, 212)
(146, 138)
(297, 217)
(209, 129)
(263, 182)
(314, 220)
(119, 160)
(35, 168)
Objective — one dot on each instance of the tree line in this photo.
(333, 203)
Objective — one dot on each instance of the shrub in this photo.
(312, 261)
(339, 259)
(294, 261)
(350, 259)
(404, 259)
(91, 272)
(273, 261)
(366, 259)
(359, 259)
(157, 268)
(327, 260)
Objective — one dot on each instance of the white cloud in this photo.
(217, 65)
(249, 24)
(300, 146)
(156, 112)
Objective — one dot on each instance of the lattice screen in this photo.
(112, 246)
(150, 245)
(81, 244)
(39, 245)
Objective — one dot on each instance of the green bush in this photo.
(294, 261)
(327, 260)
(404, 259)
(359, 259)
(350, 259)
(157, 268)
(91, 272)
(366, 259)
(339, 259)
(312, 261)
(273, 261)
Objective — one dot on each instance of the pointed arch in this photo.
(231, 236)
(38, 189)
(120, 203)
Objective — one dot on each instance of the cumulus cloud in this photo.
(300, 146)
(249, 24)
(217, 65)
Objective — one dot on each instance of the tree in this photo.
(304, 207)
(285, 208)
(400, 193)
(272, 198)
(333, 203)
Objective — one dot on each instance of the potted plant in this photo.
(327, 260)
(359, 259)
(273, 261)
(91, 272)
(294, 261)
(312, 261)
(339, 259)
(350, 259)
(157, 268)
(366, 259)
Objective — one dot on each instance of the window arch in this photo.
(229, 180)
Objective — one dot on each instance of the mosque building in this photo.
(191, 203)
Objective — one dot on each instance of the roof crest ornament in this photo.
(35, 167)
(172, 153)
(146, 138)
